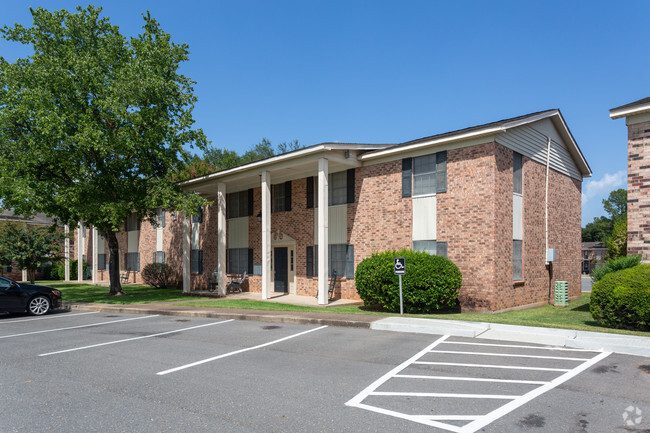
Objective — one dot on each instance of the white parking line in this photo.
(77, 327)
(509, 367)
(511, 355)
(476, 421)
(194, 364)
(134, 338)
(518, 346)
(46, 317)
(504, 410)
(471, 379)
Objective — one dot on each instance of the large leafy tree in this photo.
(30, 246)
(93, 124)
(616, 203)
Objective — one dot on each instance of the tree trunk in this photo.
(31, 275)
(113, 264)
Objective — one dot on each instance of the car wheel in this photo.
(38, 306)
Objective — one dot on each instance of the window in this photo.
(337, 189)
(132, 261)
(340, 258)
(239, 204)
(83, 230)
(196, 261)
(132, 223)
(7, 268)
(517, 178)
(158, 257)
(160, 218)
(239, 260)
(101, 262)
(431, 247)
(585, 255)
(517, 260)
(281, 197)
(424, 175)
(598, 255)
(340, 187)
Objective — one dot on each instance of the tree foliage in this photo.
(616, 204)
(93, 124)
(617, 241)
(598, 230)
(29, 246)
(216, 159)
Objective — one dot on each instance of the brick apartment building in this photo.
(491, 198)
(637, 119)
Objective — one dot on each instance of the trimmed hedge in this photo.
(58, 271)
(159, 275)
(431, 282)
(622, 299)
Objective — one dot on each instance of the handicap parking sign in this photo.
(400, 265)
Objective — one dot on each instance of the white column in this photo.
(80, 254)
(323, 207)
(187, 230)
(24, 275)
(67, 253)
(95, 255)
(266, 234)
(221, 237)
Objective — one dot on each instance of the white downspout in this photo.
(548, 163)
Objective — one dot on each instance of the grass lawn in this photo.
(575, 316)
(135, 294)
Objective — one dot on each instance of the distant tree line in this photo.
(611, 229)
(217, 159)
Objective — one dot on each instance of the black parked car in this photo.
(32, 298)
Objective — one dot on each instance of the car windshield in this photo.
(4, 283)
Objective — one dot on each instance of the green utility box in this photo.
(561, 293)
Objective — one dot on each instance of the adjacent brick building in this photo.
(487, 197)
(637, 119)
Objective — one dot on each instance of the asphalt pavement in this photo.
(626, 344)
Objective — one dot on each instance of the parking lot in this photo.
(148, 373)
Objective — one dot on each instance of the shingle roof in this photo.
(633, 104)
(39, 218)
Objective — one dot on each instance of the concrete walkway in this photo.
(626, 344)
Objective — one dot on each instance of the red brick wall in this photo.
(638, 190)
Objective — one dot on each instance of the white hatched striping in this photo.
(521, 346)
(510, 367)
(512, 355)
(471, 379)
(446, 395)
(476, 422)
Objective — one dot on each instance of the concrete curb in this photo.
(254, 315)
(569, 338)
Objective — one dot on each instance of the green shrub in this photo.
(58, 271)
(621, 299)
(615, 265)
(50, 272)
(431, 282)
(159, 275)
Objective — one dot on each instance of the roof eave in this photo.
(617, 113)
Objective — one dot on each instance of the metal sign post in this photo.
(399, 264)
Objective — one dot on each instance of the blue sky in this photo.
(392, 71)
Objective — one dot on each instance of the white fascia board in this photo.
(325, 147)
(630, 111)
(432, 142)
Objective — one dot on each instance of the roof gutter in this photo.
(616, 113)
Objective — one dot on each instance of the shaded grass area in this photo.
(135, 294)
(575, 316)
